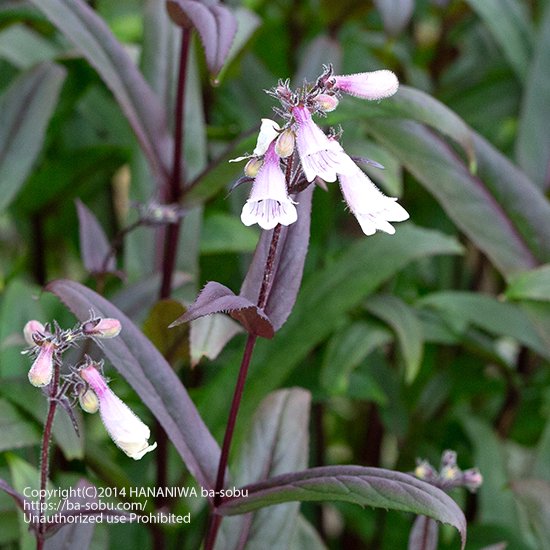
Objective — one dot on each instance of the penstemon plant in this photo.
(248, 491)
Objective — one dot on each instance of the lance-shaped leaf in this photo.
(25, 109)
(424, 534)
(531, 285)
(215, 24)
(287, 267)
(91, 36)
(499, 209)
(94, 246)
(22, 503)
(152, 378)
(277, 443)
(365, 486)
(216, 298)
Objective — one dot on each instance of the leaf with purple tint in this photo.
(364, 486)
(91, 36)
(395, 14)
(424, 534)
(288, 265)
(22, 503)
(153, 379)
(216, 298)
(215, 24)
(94, 246)
(25, 110)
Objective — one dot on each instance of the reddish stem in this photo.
(45, 455)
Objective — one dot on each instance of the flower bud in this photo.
(284, 146)
(253, 167)
(326, 103)
(30, 328)
(127, 431)
(89, 401)
(102, 328)
(41, 371)
(448, 458)
(472, 479)
(425, 471)
(372, 85)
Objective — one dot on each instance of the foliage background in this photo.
(435, 338)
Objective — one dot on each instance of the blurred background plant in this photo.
(436, 338)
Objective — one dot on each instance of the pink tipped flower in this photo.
(269, 203)
(31, 328)
(373, 85)
(42, 369)
(102, 328)
(320, 155)
(370, 206)
(127, 431)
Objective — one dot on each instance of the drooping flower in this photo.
(371, 85)
(127, 431)
(370, 206)
(32, 327)
(102, 328)
(269, 203)
(41, 371)
(320, 155)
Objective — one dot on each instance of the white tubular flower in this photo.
(127, 431)
(269, 203)
(373, 85)
(369, 205)
(269, 130)
(42, 369)
(320, 156)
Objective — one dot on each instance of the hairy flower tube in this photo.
(371, 85)
(320, 156)
(269, 203)
(41, 371)
(369, 205)
(127, 431)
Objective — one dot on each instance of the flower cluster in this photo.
(47, 345)
(288, 158)
(450, 475)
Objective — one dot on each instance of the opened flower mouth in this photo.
(269, 203)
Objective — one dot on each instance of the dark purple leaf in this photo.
(93, 38)
(424, 534)
(215, 24)
(25, 110)
(216, 298)
(152, 378)
(365, 486)
(94, 246)
(64, 533)
(22, 503)
(288, 265)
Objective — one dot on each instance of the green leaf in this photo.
(346, 350)
(462, 309)
(224, 234)
(531, 285)
(500, 210)
(365, 486)
(508, 21)
(89, 33)
(23, 47)
(402, 319)
(278, 443)
(532, 150)
(16, 431)
(496, 501)
(322, 305)
(25, 110)
(534, 494)
(306, 537)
